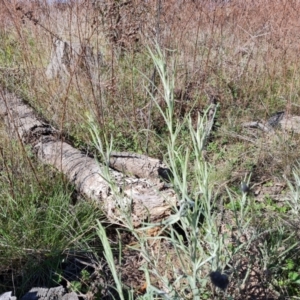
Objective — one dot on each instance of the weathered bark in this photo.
(39, 293)
(45, 293)
(66, 57)
(141, 166)
(143, 198)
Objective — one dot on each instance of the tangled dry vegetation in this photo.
(146, 72)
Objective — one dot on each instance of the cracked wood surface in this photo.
(139, 165)
(141, 193)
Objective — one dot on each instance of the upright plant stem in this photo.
(153, 87)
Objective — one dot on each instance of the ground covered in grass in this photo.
(159, 67)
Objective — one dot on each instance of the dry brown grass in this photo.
(243, 53)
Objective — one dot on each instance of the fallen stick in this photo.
(255, 124)
(280, 120)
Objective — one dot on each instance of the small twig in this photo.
(29, 16)
(153, 88)
(233, 134)
(256, 124)
(10, 179)
(10, 69)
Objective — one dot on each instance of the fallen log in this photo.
(139, 165)
(142, 197)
